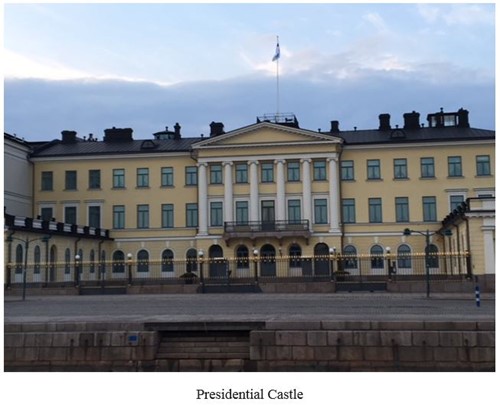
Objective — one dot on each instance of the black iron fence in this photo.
(335, 267)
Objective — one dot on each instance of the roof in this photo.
(400, 135)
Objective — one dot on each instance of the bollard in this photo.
(478, 294)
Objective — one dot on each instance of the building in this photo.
(274, 190)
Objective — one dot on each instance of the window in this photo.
(429, 206)
(191, 176)
(241, 212)
(373, 169)
(295, 254)
(402, 209)
(483, 165)
(142, 177)
(455, 201)
(215, 174)
(19, 259)
(267, 172)
(349, 257)
(95, 216)
(400, 169)
(47, 181)
(216, 213)
(242, 257)
(375, 210)
(319, 170)
(320, 211)
(404, 257)
(348, 210)
(70, 215)
(46, 213)
(191, 261)
(118, 216)
(70, 180)
(427, 167)
(37, 259)
(118, 178)
(433, 256)
(167, 215)
(142, 261)
(377, 257)
(294, 215)
(241, 173)
(167, 176)
(293, 171)
(67, 261)
(118, 265)
(94, 179)
(454, 166)
(143, 216)
(167, 261)
(347, 170)
(192, 215)
(92, 261)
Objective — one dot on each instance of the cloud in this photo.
(457, 14)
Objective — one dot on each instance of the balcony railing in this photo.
(277, 229)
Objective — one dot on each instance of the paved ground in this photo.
(249, 307)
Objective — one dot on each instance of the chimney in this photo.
(384, 122)
(216, 128)
(177, 131)
(118, 135)
(334, 127)
(68, 136)
(412, 120)
(463, 118)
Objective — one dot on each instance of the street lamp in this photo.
(388, 256)
(129, 261)
(333, 255)
(27, 242)
(77, 270)
(202, 278)
(255, 271)
(427, 234)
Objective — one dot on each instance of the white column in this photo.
(334, 194)
(228, 191)
(280, 190)
(254, 191)
(202, 199)
(306, 189)
(489, 248)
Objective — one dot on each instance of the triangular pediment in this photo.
(267, 134)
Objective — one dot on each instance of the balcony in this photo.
(267, 229)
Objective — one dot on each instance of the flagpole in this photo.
(277, 82)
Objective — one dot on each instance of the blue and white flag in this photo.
(277, 53)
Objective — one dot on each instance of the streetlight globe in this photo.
(200, 253)
(129, 256)
(255, 252)
(77, 257)
(388, 249)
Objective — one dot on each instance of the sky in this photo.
(88, 67)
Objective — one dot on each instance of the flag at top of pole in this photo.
(277, 53)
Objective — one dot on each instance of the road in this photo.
(248, 307)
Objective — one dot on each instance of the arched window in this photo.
(242, 257)
(167, 260)
(118, 262)
(19, 259)
(80, 267)
(53, 261)
(67, 261)
(37, 259)
(350, 257)
(377, 257)
(142, 261)
(433, 259)
(295, 253)
(404, 257)
(103, 262)
(191, 260)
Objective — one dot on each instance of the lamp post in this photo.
(333, 255)
(388, 256)
(129, 261)
(202, 278)
(427, 234)
(77, 270)
(255, 271)
(27, 242)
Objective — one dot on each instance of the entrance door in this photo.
(217, 264)
(321, 260)
(268, 261)
(267, 215)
